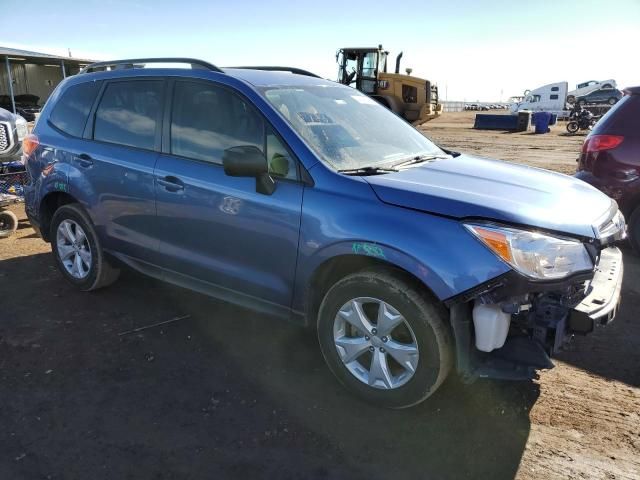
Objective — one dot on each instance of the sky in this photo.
(474, 50)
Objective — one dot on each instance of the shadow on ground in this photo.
(226, 393)
(612, 352)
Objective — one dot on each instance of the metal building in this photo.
(32, 73)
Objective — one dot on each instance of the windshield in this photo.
(346, 129)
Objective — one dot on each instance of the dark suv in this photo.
(308, 200)
(610, 159)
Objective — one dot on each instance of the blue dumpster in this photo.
(541, 121)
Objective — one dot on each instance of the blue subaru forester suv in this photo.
(307, 200)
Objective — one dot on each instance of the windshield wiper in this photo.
(367, 170)
(418, 159)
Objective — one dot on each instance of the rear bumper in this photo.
(600, 305)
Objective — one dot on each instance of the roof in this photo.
(257, 78)
(37, 57)
(265, 78)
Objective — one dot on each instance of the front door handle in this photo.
(84, 160)
(171, 184)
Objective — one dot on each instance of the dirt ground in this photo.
(227, 393)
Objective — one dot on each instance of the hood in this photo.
(469, 186)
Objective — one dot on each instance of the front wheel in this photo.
(77, 250)
(385, 340)
(573, 127)
(613, 101)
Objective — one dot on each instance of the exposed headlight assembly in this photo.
(534, 254)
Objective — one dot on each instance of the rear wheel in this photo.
(8, 223)
(613, 101)
(385, 340)
(573, 127)
(634, 230)
(77, 250)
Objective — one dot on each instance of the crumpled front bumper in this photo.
(600, 305)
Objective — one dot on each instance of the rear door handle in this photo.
(171, 184)
(84, 160)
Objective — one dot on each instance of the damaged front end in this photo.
(511, 326)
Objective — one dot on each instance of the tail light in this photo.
(598, 143)
(29, 144)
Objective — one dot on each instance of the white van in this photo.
(548, 98)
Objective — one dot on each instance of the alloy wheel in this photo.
(375, 343)
(74, 250)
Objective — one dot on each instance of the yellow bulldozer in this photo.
(415, 99)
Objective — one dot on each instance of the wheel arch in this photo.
(337, 267)
(48, 206)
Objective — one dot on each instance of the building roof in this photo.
(17, 55)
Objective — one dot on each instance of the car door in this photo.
(117, 165)
(216, 230)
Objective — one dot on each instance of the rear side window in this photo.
(128, 113)
(71, 111)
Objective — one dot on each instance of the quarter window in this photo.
(72, 109)
(129, 112)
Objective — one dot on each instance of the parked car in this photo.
(307, 200)
(610, 158)
(26, 105)
(604, 95)
(13, 129)
(589, 86)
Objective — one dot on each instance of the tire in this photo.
(423, 332)
(582, 102)
(571, 99)
(8, 223)
(572, 127)
(612, 101)
(94, 271)
(633, 226)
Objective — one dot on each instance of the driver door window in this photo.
(207, 120)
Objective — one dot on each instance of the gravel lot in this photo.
(227, 393)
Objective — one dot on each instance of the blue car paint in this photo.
(269, 247)
(220, 230)
(438, 250)
(469, 186)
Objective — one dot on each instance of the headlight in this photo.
(21, 128)
(534, 254)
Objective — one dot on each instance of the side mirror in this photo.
(249, 161)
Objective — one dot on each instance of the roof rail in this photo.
(136, 62)
(297, 71)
